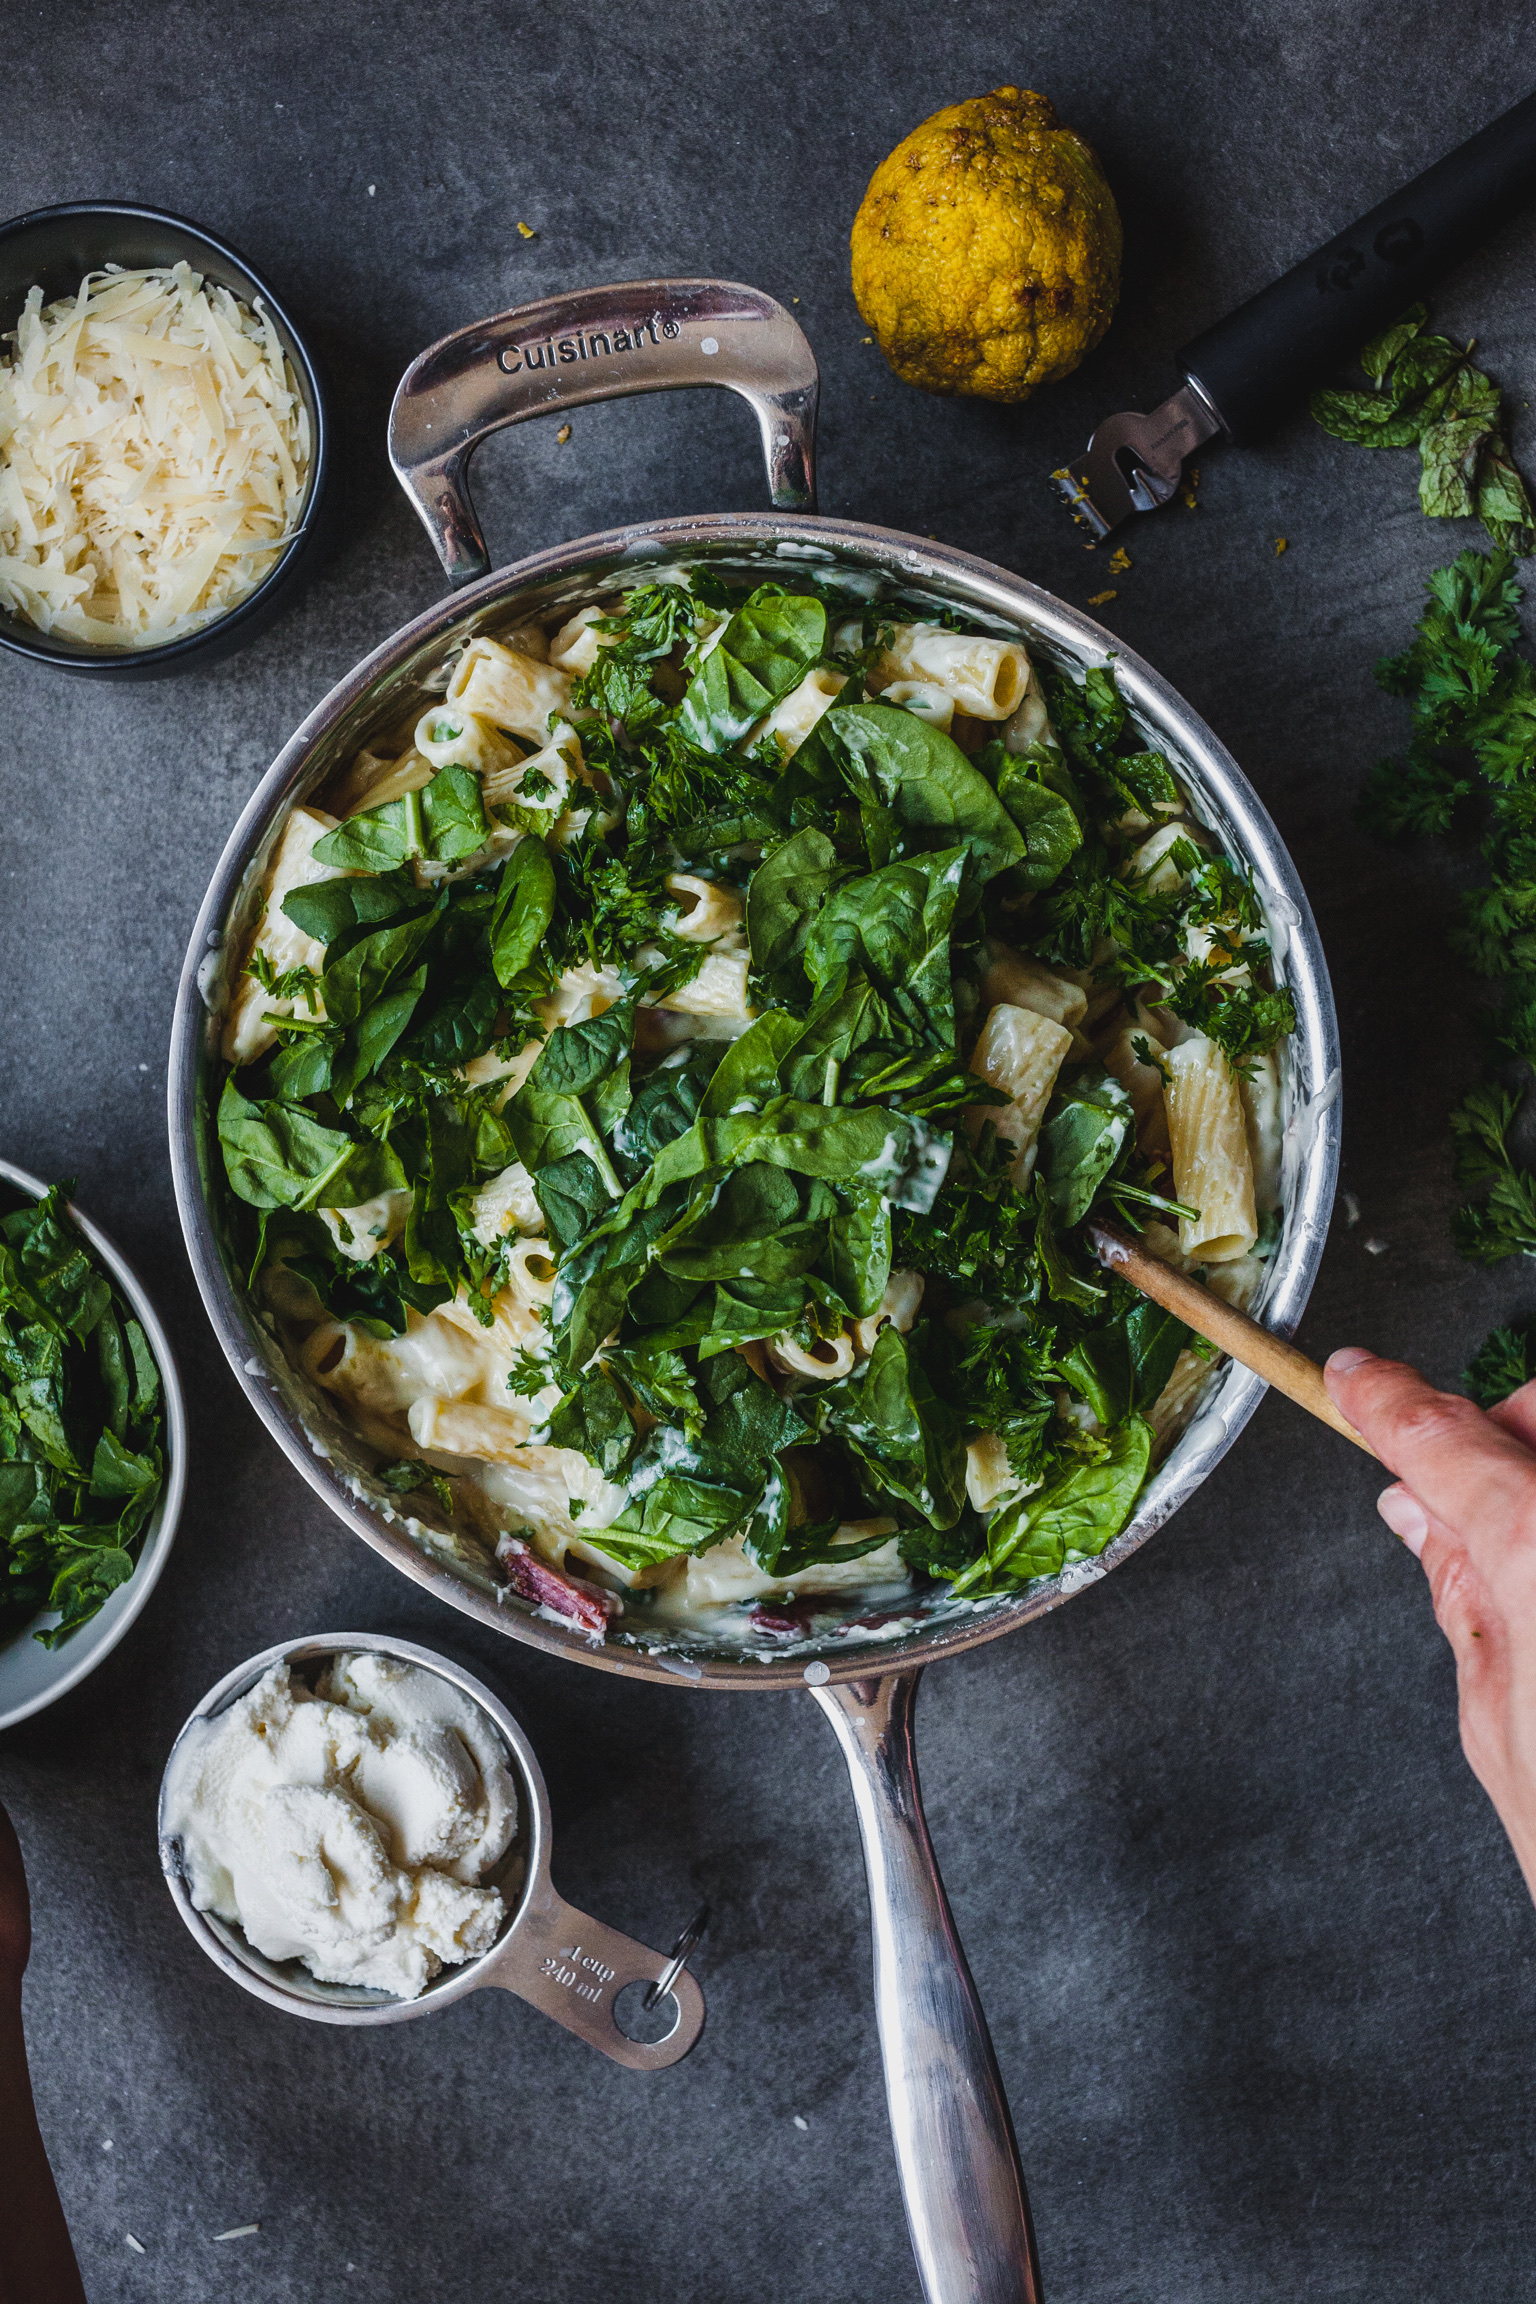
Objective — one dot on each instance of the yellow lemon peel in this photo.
(986, 252)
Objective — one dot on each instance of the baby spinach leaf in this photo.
(525, 906)
(1063, 1284)
(55, 1277)
(454, 814)
(783, 897)
(24, 1501)
(783, 1551)
(459, 1025)
(860, 1250)
(117, 1470)
(773, 1257)
(304, 1069)
(692, 1495)
(146, 1376)
(279, 1156)
(376, 839)
(366, 967)
(893, 929)
(937, 796)
(374, 1035)
(1156, 1338)
(1086, 1127)
(778, 636)
(329, 910)
(116, 1378)
(767, 648)
(594, 1282)
(1047, 820)
(903, 1435)
(572, 1196)
(593, 1419)
(1074, 1517)
(34, 1364)
(443, 820)
(590, 1059)
(1099, 1368)
(576, 1094)
(663, 1107)
(838, 1029)
(879, 1150)
(80, 1462)
(434, 1253)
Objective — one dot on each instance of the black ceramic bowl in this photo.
(54, 248)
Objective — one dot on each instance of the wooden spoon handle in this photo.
(1269, 1356)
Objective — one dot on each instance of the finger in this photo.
(1468, 1471)
(1467, 1616)
(1405, 1516)
(1517, 1414)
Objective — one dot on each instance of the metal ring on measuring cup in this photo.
(560, 1960)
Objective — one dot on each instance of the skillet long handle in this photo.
(597, 344)
(967, 2208)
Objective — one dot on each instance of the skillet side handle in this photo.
(967, 2209)
(597, 344)
(573, 1968)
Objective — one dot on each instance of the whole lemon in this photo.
(986, 253)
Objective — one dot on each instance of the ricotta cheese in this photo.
(351, 1827)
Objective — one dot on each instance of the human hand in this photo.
(1464, 1503)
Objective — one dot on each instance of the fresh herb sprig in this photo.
(1504, 1362)
(1425, 393)
(1473, 699)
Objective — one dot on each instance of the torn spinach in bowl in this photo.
(82, 1461)
(666, 1085)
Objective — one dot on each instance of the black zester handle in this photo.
(1254, 366)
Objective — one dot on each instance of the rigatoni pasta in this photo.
(509, 689)
(986, 678)
(1212, 1171)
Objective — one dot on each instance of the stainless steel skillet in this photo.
(954, 2140)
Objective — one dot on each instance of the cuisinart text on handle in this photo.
(594, 344)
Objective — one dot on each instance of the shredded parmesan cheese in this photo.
(154, 451)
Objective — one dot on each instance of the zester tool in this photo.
(1245, 374)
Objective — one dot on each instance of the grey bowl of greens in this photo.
(689, 1192)
(92, 1445)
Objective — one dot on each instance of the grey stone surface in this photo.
(1257, 1960)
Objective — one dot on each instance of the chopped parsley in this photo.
(1473, 750)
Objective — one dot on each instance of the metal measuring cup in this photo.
(586, 1976)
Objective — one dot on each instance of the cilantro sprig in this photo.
(1425, 393)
